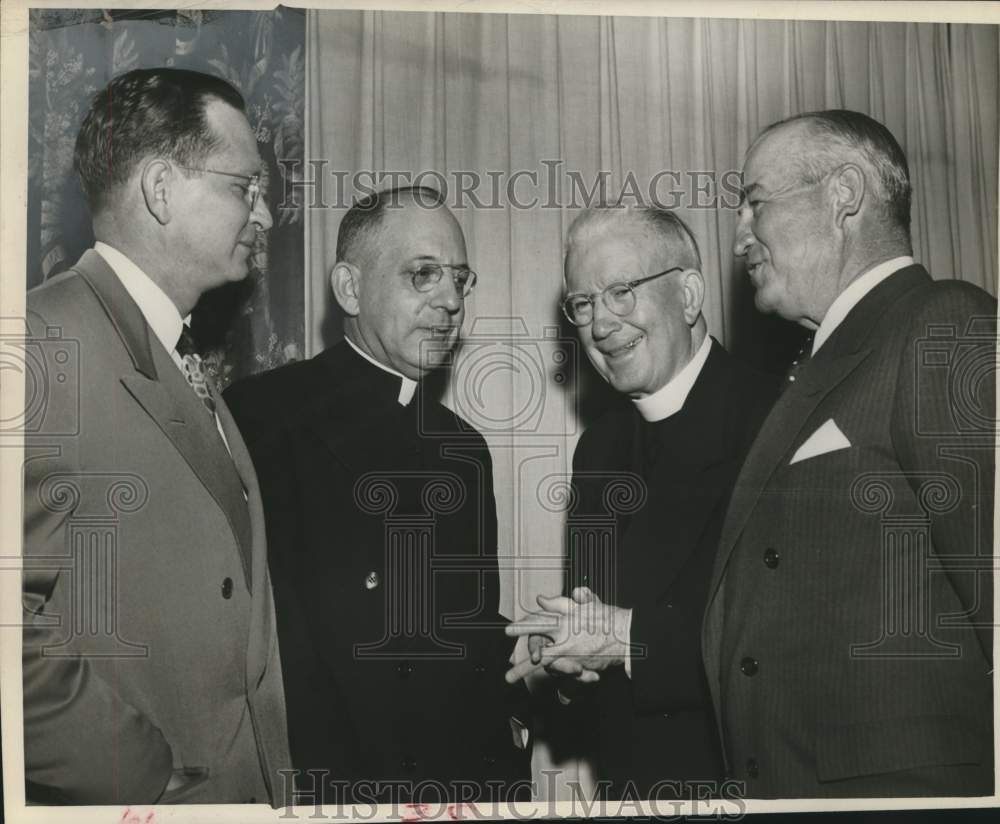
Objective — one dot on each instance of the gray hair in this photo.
(659, 226)
(843, 136)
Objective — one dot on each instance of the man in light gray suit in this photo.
(151, 665)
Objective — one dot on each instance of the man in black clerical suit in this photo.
(382, 528)
(662, 468)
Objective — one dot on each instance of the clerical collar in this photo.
(669, 399)
(852, 295)
(159, 311)
(406, 388)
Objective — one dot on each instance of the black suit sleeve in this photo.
(255, 405)
(517, 699)
(667, 669)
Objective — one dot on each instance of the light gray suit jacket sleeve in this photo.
(69, 711)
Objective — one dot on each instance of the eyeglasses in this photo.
(428, 275)
(251, 190)
(618, 297)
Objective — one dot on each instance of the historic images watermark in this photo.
(952, 412)
(49, 366)
(92, 504)
(316, 796)
(498, 351)
(315, 184)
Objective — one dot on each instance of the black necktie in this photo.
(194, 369)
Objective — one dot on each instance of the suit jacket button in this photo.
(749, 666)
(480, 669)
(371, 580)
(489, 760)
(404, 668)
(771, 558)
(668, 715)
(752, 769)
(227, 588)
(408, 765)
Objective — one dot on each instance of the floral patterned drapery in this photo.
(250, 326)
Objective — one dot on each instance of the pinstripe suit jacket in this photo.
(846, 639)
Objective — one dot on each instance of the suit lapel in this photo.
(160, 389)
(845, 350)
(780, 430)
(263, 607)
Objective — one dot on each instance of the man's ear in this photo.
(155, 180)
(345, 281)
(848, 192)
(693, 293)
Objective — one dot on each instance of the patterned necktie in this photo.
(804, 354)
(194, 369)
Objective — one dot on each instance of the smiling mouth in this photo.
(624, 350)
(440, 332)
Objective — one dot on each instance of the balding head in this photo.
(826, 198)
(401, 278)
(817, 143)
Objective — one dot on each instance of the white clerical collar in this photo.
(669, 399)
(852, 295)
(159, 311)
(408, 386)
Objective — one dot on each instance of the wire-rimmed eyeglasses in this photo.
(251, 189)
(619, 297)
(428, 275)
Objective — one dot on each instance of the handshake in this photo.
(578, 636)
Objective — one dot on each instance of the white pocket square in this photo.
(828, 438)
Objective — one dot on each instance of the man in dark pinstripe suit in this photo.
(848, 639)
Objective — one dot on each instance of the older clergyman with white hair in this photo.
(634, 290)
(848, 639)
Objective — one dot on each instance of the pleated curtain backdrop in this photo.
(671, 102)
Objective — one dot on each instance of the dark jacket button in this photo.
(408, 765)
(480, 669)
(489, 760)
(752, 769)
(771, 558)
(404, 668)
(227, 588)
(749, 666)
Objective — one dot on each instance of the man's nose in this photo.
(261, 215)
(447, 294)
(605, 321)
(744, 235)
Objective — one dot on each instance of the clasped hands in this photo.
(577, 636)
